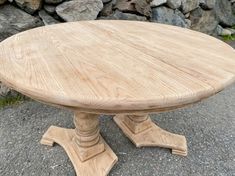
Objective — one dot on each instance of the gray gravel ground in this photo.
(231, 43)
(208, 126)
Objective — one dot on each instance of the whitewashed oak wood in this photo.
(116, 66)
(89, 153)
(99, 165)
(146, 133)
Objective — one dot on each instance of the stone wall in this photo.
(214, 17)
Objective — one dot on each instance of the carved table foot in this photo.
(143, 132)
(89, 153)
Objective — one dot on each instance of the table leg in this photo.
(143, 132)
(84, 145)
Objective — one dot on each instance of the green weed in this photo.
(11, 100)
(228, 37)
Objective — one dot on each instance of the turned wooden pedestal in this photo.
(143, 132)
(89, 153)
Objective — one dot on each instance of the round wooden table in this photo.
(128, 69)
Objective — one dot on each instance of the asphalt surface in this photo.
(209, 127)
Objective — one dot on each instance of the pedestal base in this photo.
(153, 136)
(98, 165)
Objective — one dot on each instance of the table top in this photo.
(116, 66)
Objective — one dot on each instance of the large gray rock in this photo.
(107, 9)
(168, 16)
(125, 5)
(117, 15)
(207, 4)
(53, 1)
(189, 5)
(46, 18)
(174, 4)
(188, 23)
(29, 6)
(79, 10)
(179, 13)
(14, 20)
(224, 13)
(2, 1)
(134, 6)
(106, 1)
(156, 3)
(50, 9)
(226, 32)
(231, 30)
(143, 7)
(219, 30)
(233, 8)
(204, 21)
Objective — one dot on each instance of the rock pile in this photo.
(214, 17)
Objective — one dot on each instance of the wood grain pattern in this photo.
(98, 165)
(116, 65)
(87, 136)
(148, 134)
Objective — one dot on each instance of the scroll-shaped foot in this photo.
(151, 135)
(100, 164)
(47, 139)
